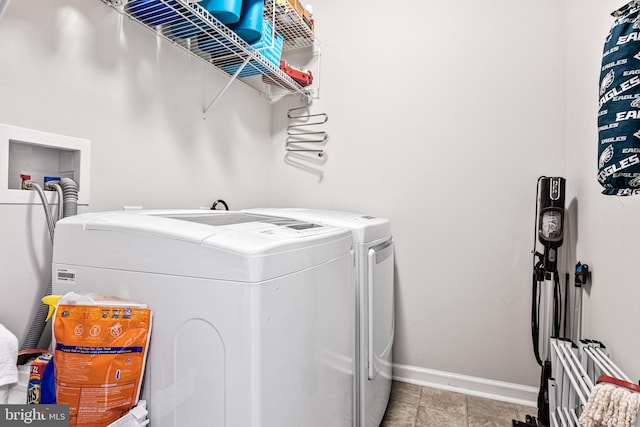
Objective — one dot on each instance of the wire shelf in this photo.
(296, 30)
(190, 26)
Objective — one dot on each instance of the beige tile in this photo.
(430, 417)
(400, 414)
(405, 392)
(444, 400)
(485, 421)
(479, 408)
(522, 412)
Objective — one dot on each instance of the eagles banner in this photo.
(619, 114)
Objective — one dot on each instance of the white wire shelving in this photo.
(190, 26)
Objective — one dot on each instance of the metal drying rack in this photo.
(576, 369)
(191, 27)
(302, 135)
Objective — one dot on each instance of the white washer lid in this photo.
(365, 228)
(242, 247)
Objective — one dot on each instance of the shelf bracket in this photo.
(224, 89)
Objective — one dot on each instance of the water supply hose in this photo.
(70, 208)
(47, 209)
(55, 186)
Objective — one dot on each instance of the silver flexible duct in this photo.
(70, 191)
(38, 323)
(69, 207)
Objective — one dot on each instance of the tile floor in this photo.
(412, 405)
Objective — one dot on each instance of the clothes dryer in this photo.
(254, 316)
(374, 274)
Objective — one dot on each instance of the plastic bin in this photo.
(215, 44)
(226, 11)
(188, 27)
(249, 28)
(152, 12)
(269, 47)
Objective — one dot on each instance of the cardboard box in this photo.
(297, 6)
(302, 12)
(306, 15)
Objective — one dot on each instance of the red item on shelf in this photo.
(304, 78)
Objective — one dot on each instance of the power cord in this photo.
(219, 202)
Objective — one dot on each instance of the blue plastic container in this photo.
(187, 28)
(152, 12)
(226, 11)
(269, 47)
(216, 45)
(249, 28)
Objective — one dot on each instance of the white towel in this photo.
(8, 357)
(610, 405)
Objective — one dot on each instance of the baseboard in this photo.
(490, 389)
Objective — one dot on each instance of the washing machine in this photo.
(253, 314)
(374, 275)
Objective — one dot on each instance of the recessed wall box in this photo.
(39, 154)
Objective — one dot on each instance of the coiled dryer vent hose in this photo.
(70, 196)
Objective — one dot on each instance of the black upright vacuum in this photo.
(546, 308)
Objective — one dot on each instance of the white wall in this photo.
(442, 115)
(608, 237)
(76, 67)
